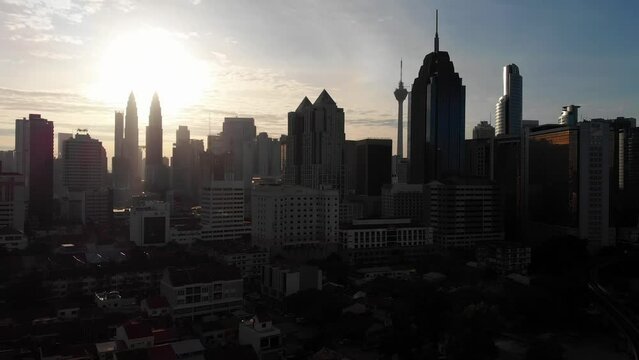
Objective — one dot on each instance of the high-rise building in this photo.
(509, 108)
(529, 124)
(293, 216)
(400, 95)
(267, 156)
(403, 201)
(568, 187)
(483, 130)
(185, 167)
(478, 157)
(131, 146)
(8, 160)
(350, 167)
(508, 172)
(437, 119)
(463, 212)
(156, 174)
(223, 211)
(62, 137)
(12, 200)
(373, 165)
(34, 160)
(85, 171)
(119, 164)
(569, 115)
(315, 143)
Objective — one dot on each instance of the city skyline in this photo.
(60, 36)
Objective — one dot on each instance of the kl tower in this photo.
(400, 95)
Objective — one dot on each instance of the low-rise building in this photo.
(260, 333)
(504, 257)
(135, 335)
(203, 290)
(155, 306)
(280, 281)
(368, 274)
(149, 223)
(12, 239)
(248, 259)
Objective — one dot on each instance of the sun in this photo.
(147, 61)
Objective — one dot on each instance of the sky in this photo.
(75, 61)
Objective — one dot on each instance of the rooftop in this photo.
(205, 273)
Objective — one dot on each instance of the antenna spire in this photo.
(401, 68)
(436, 30)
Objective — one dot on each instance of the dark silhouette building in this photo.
(156, 177)
(437, 123)
(315, 143)
(119, 163)
(130, 146)
(374, 159)
(34, 159)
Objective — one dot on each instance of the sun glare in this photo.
(147, 61)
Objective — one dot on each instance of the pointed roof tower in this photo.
(324, 99)
(304, 104)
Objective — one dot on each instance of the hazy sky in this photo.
(75, 61)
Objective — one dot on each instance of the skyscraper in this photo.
(155, 176)
(314, 144)
(131, 143)
(119, 163)
(34, 159)
(438, 117)
(85, 171)
(119, 134)
(373, 165)
(508, 110)
(483, 130)
(400, 95)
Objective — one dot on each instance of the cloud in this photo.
(48, 38)
(51, 55)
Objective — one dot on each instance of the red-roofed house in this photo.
(163, 352)
(135, 335)
(155, 306)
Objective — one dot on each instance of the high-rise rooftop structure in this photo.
(438, 117)
(483, 130)
(314, 144)
(34, 159)
(400, 96)
(569, 115)
(508, 111)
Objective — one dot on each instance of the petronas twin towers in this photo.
(127, 163)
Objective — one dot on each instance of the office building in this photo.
(463, 212)
(185, 168)
(437, 120)
(568, 187)
(293, 216)
(223, 211)
(12, 200)
(376, 242)
(374, 165)
(478, 157)
(267, 157)
(87, 197)
(198, 291)
(483, 130)
(403, 201)
(8, 160)
(34, 160)
(149, 223)
(569, 115)
(119, 164)
(509, 108)
(62, 137)
(508, 171)
(350, 167)
(315, 143)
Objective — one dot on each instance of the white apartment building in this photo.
(202, 291)
(260, 333)
(376, 233)
(149, 224)
(294, 216)
(223, 211)
(280, 281)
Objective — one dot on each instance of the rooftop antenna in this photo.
(436, 30)
(401, 68)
